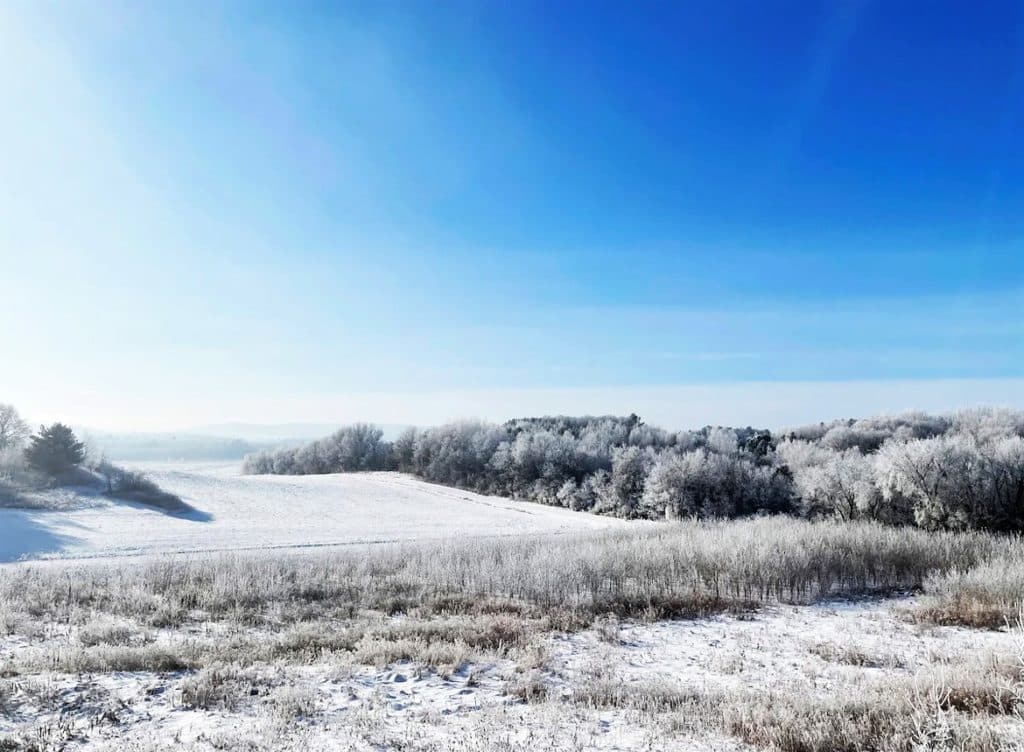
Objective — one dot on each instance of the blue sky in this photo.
(415, 211)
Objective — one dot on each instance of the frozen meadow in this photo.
(675, 685)
(375, 612)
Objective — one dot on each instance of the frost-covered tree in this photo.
(946, 479)
(843, 486)
(799, 453)
(710, 486)
(1007, 469)
(953, 471)
(630, 465)
(723, 440)
(404, 450)
(350, 449)
(354, 448)
(644, 435)
(986, 424)
(868, 434)
(541, 460)
(704, 483)
(666, 489)
(830, 483)
(13, 430)
(593, 492)
(458, 453)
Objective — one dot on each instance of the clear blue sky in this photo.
(305, 211)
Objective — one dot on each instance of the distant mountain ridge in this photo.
(169, 446)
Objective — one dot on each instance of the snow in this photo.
(780, 647)
(236, 512)
(795, 649)
(405, 705)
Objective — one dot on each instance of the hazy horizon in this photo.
(758, 404)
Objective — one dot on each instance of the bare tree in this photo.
(13, 430)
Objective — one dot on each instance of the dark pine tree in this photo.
(54, 449)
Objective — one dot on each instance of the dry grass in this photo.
(959, 710)
(220, 623)
(988, 595)
(443, 644)
(295, 703)
(853, 655)
(528, 687)
(603, 693)
(460, 600)
(106, 658)
(950, 710)
(684, 570)
(881, 723)
(220, 686)
(106, 631)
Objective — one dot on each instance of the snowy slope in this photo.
(236, 512)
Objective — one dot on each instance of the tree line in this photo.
(959, 471)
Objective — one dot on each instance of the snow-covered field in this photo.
(828, 650)
(236, 512)
(319, 640)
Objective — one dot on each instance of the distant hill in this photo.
(135, 447)
(225, 441)
(283, 432)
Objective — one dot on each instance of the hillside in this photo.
(235, 512)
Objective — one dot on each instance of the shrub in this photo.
(135, 486)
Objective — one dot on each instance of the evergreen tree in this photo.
(54, 450)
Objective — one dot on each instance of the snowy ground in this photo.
(86, 680)
(332, 703)
(236, 512)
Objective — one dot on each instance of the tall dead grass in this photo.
(987, 595)
(966, 709)
(675, 570)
